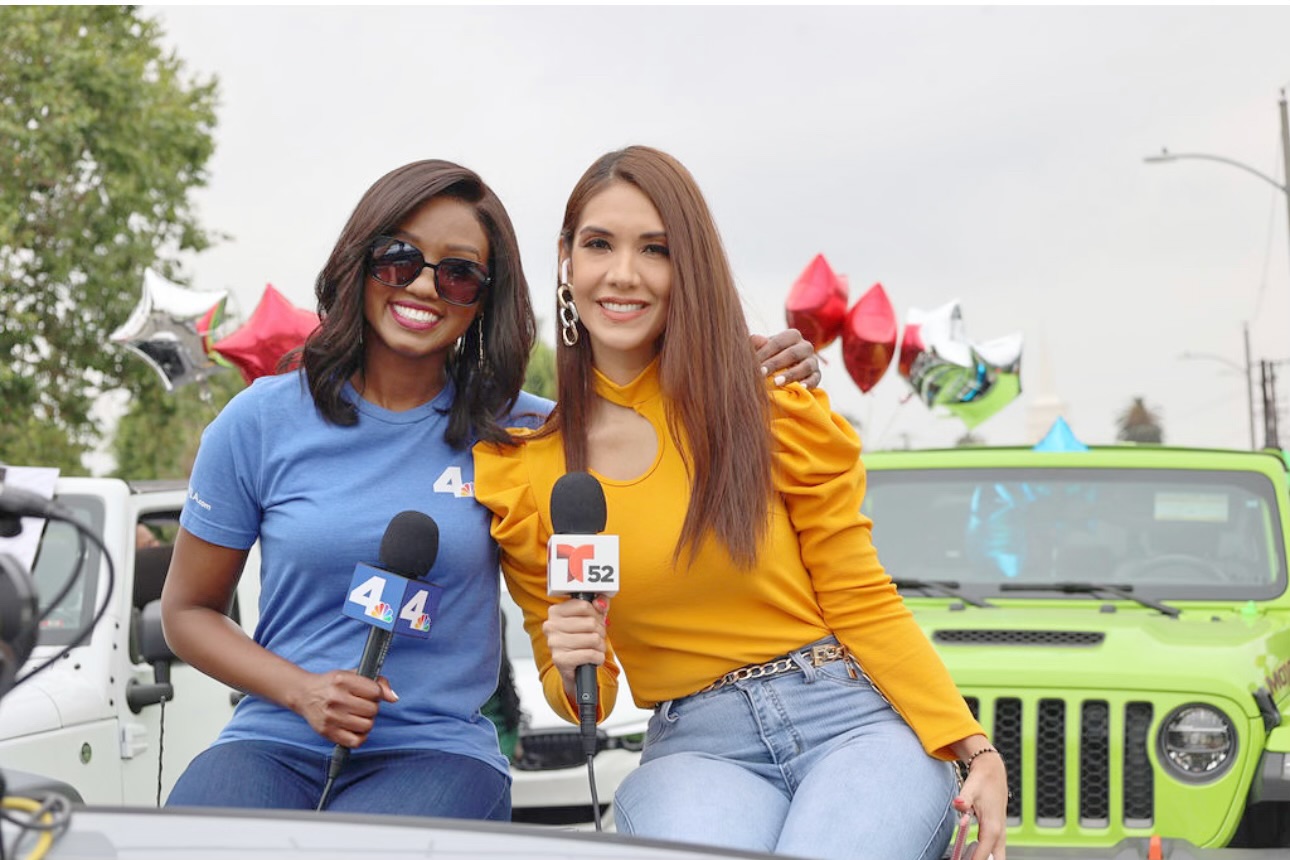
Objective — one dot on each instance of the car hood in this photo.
(1081, 645)
(28, 710)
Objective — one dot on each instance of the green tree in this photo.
(1140, 423)
(158, 436)
(540, 378)
(102, 139)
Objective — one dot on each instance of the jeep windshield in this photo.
(1160, 533)
(64, 554)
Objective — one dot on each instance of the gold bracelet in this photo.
(967, 762)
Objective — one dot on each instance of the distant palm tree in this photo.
(1140, 423)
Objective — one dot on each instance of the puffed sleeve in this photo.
(819, 474)
(504, 484)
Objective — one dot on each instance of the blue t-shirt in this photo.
(318, 497)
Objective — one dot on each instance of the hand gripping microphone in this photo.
(392, 599)
(581, 563)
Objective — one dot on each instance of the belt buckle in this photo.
(821, 654)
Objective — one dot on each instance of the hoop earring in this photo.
(568, 310)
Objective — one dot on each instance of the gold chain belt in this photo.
(818, 655)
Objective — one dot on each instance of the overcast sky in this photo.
(990, 155)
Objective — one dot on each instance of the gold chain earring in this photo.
(568, 310)
(481, 341)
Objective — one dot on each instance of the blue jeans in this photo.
(267, 775)
(813, 764)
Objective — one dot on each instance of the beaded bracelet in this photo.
(967, 762)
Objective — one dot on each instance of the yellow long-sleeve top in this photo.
(677, 630)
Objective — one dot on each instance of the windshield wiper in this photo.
(1124, 592)
(948, 587)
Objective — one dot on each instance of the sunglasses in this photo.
(397, 263)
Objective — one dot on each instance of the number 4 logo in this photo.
(450, 482)
(368, 595)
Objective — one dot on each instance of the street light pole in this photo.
(1166, 156)
(1247, 371)
(1269, 380)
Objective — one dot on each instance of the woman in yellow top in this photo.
(798, 707)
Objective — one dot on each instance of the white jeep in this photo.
(116, 717)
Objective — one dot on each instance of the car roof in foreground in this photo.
(225, 834)
(140, 833)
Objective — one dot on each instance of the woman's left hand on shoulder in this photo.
(788, 357)
(985, 795)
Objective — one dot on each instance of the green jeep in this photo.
(1118, 620)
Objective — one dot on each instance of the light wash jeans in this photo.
(267, 775)
(812, 764)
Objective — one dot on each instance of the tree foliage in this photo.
(102, 139)
(540, 378)
(159, 435)
(1140, 423)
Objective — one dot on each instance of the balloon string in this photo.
(883, 435)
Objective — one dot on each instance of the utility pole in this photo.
(1249, 384)
(1285, 156)
(1269, 374)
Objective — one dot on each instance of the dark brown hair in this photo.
(334, 352)
(718, 410)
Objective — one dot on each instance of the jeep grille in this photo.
(1044, 739)
(1058, 638)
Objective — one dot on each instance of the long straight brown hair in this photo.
(718, 410)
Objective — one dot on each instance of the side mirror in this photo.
(152, 647)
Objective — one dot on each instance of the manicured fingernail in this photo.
(781, 379)
(764, 371)
(394, 694)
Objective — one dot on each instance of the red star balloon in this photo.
(869, 337)
(817, 303)
(275, 328)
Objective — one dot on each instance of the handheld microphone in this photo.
(392, 598)
(582, 562)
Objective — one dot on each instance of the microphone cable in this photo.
(591, 779)
(48, 818)
(333, 771)
(56, 512)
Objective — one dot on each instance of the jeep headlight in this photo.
(1197, 743)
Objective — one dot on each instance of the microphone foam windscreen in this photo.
(410, 544)
(578, 505)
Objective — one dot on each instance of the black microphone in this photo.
(408, 551)
(582, 562)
